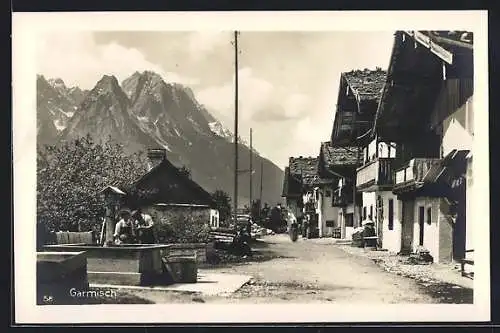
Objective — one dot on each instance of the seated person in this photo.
(144, 226)
(124, 229)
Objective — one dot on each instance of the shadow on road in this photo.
(449, 293)
(259, 244)
(258, 255)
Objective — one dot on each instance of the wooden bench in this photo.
(466, 261)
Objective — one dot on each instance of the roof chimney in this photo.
(156, 156)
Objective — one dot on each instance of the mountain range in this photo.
(145, 112)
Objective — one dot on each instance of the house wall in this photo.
(458, 133)
(391, 239)
(445, 232)
(431, 232)
(386, 150)
(370, 151)
(458, 130)
(327, 213)
(438, 236)
(346, 232)
(369, 200)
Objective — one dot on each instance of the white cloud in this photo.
(78, 60)
(202, 42)
(259, 99)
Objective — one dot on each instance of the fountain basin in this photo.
(129, 264)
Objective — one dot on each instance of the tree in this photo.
(70, 176)
(223, 204)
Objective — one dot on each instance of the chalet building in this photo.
(337, 207)
(357, 103)
(421, 143)
(306, 193)
(166, 192)
(297, 169)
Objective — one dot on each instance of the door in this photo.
(380, 220)
(459, 227)
(421, 211)
(407, 226)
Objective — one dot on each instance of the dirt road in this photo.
(309, 272)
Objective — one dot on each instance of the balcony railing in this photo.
(414, 171)
(376, 173)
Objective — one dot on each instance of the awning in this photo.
(448, 169)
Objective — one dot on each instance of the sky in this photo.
(288, 80)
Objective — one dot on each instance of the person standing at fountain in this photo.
(144, 226)
(124, 229)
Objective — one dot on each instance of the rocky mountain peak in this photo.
(147, 82)
(107, 81)
(57, 83)
(143, 112)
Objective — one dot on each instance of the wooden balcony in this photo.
(412, 173)
(375, 175)
(344, 197)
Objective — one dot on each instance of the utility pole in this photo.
(235, 200)
(251, 170)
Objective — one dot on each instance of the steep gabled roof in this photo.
(420, 62)
(302, 172)
(339, 156)
(357, 101)
(366, 84)
(306, 166)
(186, 191)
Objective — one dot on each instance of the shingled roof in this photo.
(305, 171)
(303, 165)
(366, 84)
(339, 156)
(358, 97)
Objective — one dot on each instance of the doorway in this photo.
(459, 227)
(407, 226)
(421, 211)
(379, 218)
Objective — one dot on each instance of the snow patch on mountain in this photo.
(59, 124)
(218, 129)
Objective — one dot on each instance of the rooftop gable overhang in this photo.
(356, 108)
(419, 63)
(338, 161)
(199, 194)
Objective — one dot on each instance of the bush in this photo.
(182, 226)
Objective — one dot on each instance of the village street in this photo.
(309, 271)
